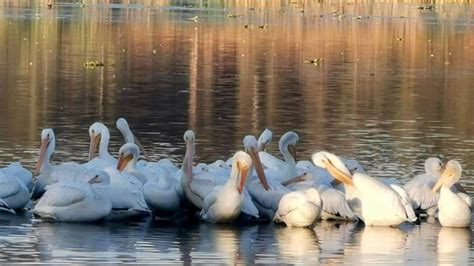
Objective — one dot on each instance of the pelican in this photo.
(48, 173)
(266, 194)
(14, 192)
(419, 189)
(223, 203)
(186, 172)
(75, 201)
(197, 185)
(283, 170)
(374, 202)
(125, 190)
(264, 138)
(299, 208)
(454, 208)
(99, 137)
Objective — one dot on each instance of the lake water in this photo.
(394, 87)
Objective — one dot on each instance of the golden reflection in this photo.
(297, 243)
(382, 240)
(395, 67)
(454, 245)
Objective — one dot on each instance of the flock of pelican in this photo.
(252, 185)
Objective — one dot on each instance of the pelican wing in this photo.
(210, 199)
(62, 195)
(334, 203)
(406, 201)
(8, 186)
(466, 199)
(248, 207)
(19, 172)
(201, 186)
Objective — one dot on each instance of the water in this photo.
(394, 87)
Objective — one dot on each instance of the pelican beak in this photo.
(95, 140)
(123, 161)
(338, 174)
(295, 179)
(243, 176)
(292, 150)
(93, 180)
(442, 179)
(188, 158)
(259, 168)
(44, 146)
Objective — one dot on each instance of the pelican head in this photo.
(251, 147)
(242, 162)
(189, 138)
(129, 152)
(334, 165)
(449, 177)
(220, 164)
(97, 131)
(288, 143)
(102, 177)
(353, 166)
(48, 143)
(201, 167)
(433, 166)
(264, 138)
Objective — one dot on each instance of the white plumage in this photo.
(299, 208)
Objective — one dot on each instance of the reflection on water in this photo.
(393, 88)
(454, 245)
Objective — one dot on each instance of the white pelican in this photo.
(419, 189)
(75, 201)
(266, 194)
(125, 190)
(14, 193)
(283, 170)
(223, 203)
(454, 208)
(373, 201)
(264, 138)
(99, 137)
(186, 172)
(196, 186)
(299, 208)
(51, 173)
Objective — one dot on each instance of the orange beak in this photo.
(123, 161)
(95, 140)
(243, 176)
(338, 174)
(259, 169)
(44, 146)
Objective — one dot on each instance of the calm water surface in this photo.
(395, 86)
